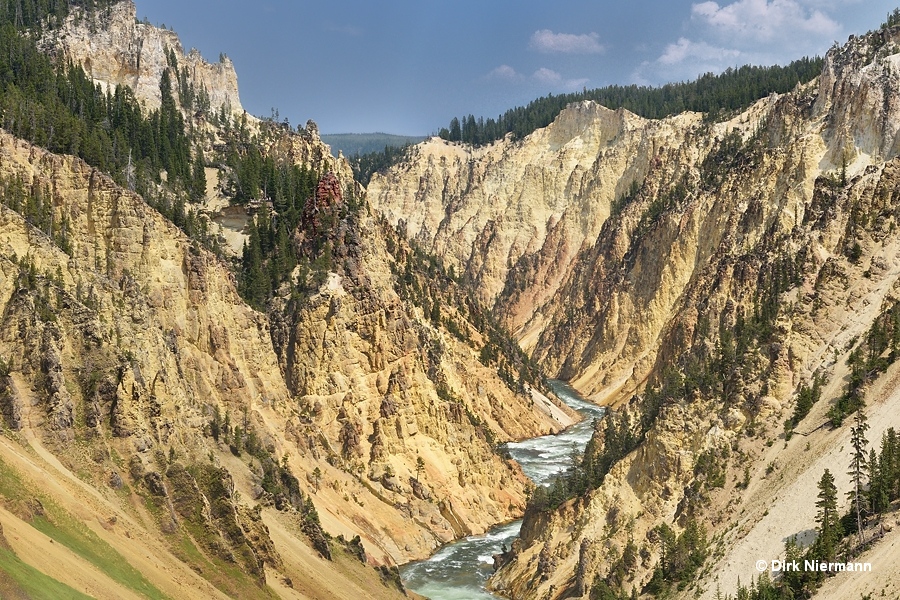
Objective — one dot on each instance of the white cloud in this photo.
(551, 78)
(504, 73)
(545, 40)
(686, 59)
(684, 49)
(730, 33)
(545, 75)
(765, 20)
(830, 4)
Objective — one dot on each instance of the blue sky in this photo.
(407, 66)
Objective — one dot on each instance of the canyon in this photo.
(165, 435)
(158, 419)
(625, 254)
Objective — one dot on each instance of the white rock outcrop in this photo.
(117, 49)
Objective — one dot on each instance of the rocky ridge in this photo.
(144, 400)
(772, 228)
(127, 353)
(388, 394)
(115, 48)
(526, 220)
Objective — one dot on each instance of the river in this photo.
(458, 571)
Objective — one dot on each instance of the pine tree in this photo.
(317, 475)
(255, 281)
(792, 581)
(420, 466)
(889, 463)
(877, 495)
(858, 464)
(198, 177)
(827, 518)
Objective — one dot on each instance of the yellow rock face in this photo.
(609, 298)
(123, 351)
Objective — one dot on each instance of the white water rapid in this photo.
(459, 570)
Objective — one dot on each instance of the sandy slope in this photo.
(882, 582)
(41, 470)
(121, 525)
(783, 503)
(60, 563)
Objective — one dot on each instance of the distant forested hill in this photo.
(715, 95)
(366, 143)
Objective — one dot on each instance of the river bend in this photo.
(458, 571)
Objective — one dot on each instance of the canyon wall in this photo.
(766, 237)
(153, 412)
(115, 48)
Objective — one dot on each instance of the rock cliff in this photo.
(153, 415)
(115, 48)
(694, 274)
(130, 363)
(121, 339)
(513, 216)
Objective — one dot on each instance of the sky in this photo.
(409, 66)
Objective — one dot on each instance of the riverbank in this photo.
(459, 571)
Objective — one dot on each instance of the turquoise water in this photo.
(459, 570)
